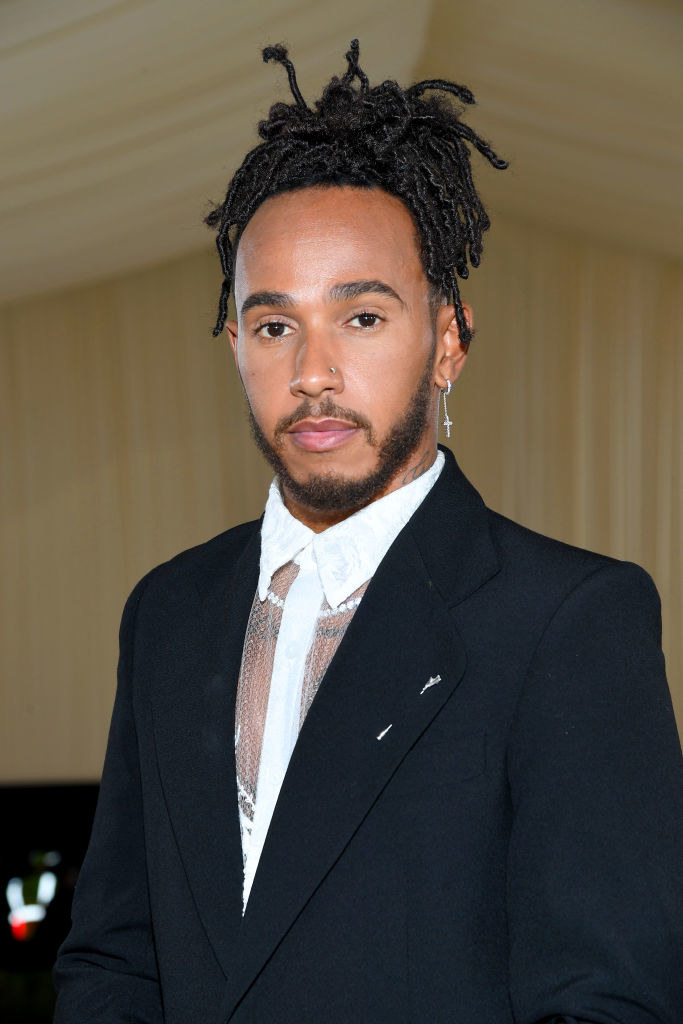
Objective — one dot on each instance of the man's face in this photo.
(337, 347)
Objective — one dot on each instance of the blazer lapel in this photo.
(193, 712)
(372, 707)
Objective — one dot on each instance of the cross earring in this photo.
(446, 421)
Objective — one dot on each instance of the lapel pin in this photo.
(385, 731)
(432, 681)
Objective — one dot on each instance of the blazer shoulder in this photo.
(554, 566)
(520, 544)
(211, 557)
(224, 547)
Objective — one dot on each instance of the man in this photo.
(383, 755)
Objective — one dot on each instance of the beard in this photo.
(330, 491)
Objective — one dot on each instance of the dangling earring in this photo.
(444, 394)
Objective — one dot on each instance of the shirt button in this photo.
(291, 650)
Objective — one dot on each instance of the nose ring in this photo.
(332, 369)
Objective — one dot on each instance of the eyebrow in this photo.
(354, 289)
(338, 293)
(278, 299)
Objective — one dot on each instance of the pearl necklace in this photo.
(345, 606)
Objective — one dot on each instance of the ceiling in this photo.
(121, 119)
(585, 98)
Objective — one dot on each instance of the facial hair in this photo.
(332, 492)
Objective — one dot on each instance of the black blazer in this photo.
(508, 851)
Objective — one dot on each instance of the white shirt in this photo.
(332, 564)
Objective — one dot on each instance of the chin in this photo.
(344, 478)
(342, 463)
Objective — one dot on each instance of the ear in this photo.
(232, 329)
(450, 351)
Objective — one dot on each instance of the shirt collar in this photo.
(347, 554)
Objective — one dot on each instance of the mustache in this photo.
(325, 408)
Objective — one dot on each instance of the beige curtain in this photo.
(569, 415)
(124, 440)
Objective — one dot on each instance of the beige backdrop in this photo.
(124, 440)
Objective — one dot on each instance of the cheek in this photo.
(257, 385)
(387, 376)
(266, 381)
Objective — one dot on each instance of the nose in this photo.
(315, 370)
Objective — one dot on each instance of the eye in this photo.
(273, 329)
(366, 319)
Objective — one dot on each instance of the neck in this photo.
(317, 519)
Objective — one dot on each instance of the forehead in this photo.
(328, 234)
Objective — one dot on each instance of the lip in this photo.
(322, 435)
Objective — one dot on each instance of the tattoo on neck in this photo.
(417, 470)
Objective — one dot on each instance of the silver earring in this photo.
(446, 421)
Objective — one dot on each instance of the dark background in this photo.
(37, 820)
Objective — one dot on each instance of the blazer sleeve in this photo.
(106, 971)
(594, 762)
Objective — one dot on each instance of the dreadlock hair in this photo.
(412, 146)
